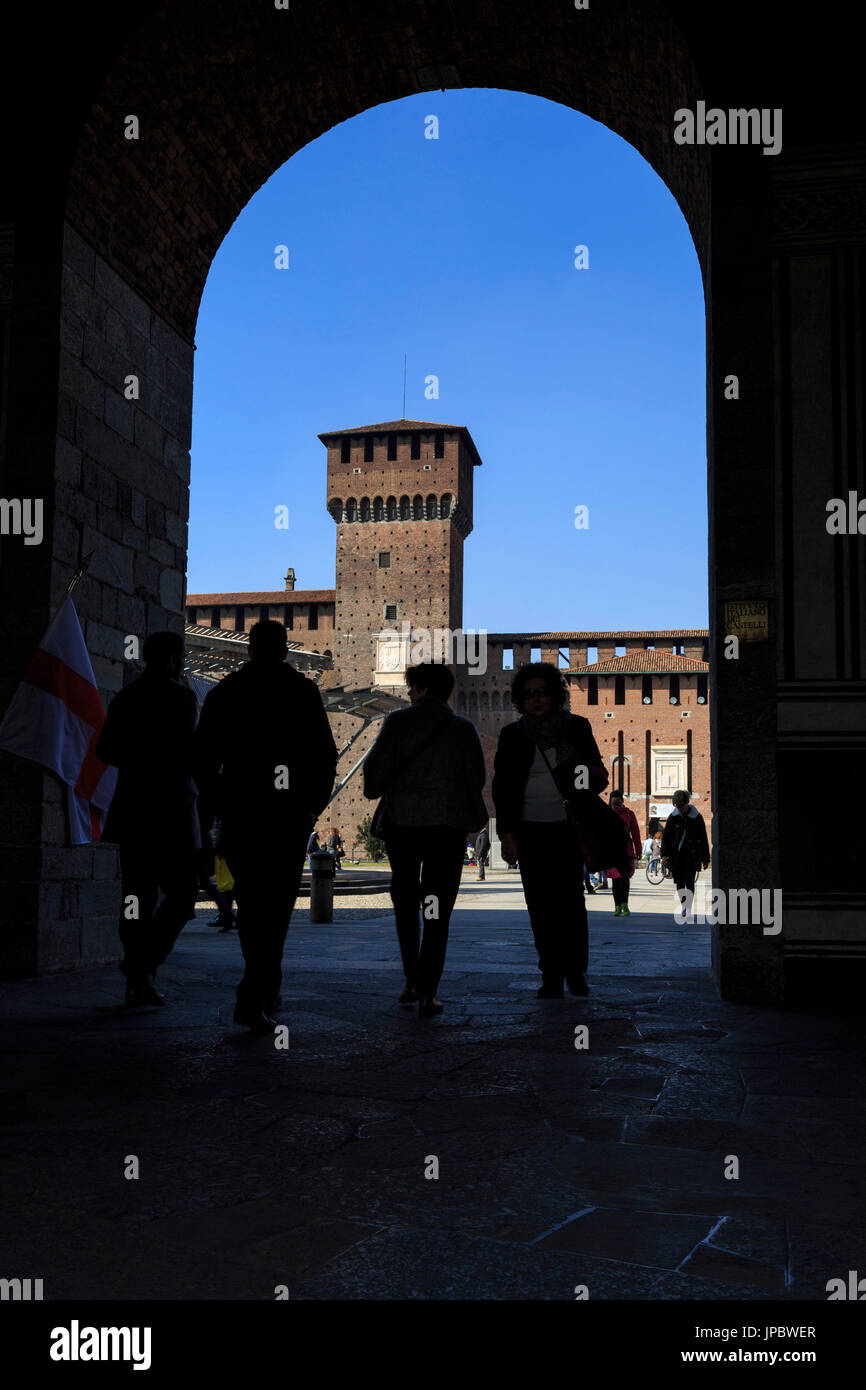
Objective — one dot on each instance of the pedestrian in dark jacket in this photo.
(265, 764)
(685, 846)
(533, 824)
(482, 851)
(428, 766)
(148, 736)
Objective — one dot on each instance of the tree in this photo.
(374, 848)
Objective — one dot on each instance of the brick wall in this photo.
(122, 492)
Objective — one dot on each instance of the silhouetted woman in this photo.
(428, 766)
(537, 766)
(620, 882)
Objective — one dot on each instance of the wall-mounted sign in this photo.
(748, 619)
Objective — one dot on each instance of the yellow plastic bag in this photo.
(223, 875)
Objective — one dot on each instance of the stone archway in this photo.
(222, 96)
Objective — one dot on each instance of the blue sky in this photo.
(579, 387)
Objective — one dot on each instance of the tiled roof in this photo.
(390, 426)
(274, 596)
(593, 635)
(641, 662)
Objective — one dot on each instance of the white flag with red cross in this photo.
(55, 718)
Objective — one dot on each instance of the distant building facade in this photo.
(401, 495)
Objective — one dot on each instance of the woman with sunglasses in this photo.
(541, 758)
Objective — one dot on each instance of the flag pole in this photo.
(82, 569)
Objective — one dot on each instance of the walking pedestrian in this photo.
(427, 765)
(620, 882)
(536, 768)
(313, 847)
(265, 765)
(335, 847)
(685, 847)
(482, 851)
(148, 736)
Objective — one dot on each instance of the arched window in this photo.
(485, 702)
(431, 508)
(378, 509)
(392, 508)
(445, 506)
(496, 702)
(351, 510)
(405, 509)
(335, 507)
(418, 507)
(473, 704)
(365, 509)
(461, 701)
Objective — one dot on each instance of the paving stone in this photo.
(306, 1167)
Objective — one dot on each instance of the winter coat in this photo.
(627, 814)
(514, 757)
(437, 784)
(684, 839)
(148, 736)
(265, 758)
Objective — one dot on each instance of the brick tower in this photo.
(401, 495)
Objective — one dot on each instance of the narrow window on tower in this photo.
(418, 508)
(416, 446)
(190, 616)
(445, 506)
(592, 690)
(647, 692)
(239, 619)
(439, 444)
(431, 507)
(508, 658)
(313, 620)
(215, 618)
(674, 690)
(384, 559)
(619, 690)
(263, 613)
(702, 690)
(368, 448)
(391, 509)
(288, 617)
(534, 654)
(346, 449)
(392, 448)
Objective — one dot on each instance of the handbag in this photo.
(377, 823)
(601, 834)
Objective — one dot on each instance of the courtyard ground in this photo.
(557, 1166)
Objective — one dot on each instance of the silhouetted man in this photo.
(685, 847)
(148, 736)
(265, 763)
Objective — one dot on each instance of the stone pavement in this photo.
(557, 1166)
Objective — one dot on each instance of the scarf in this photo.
(556, 735)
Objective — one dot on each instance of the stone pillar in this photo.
(747, 964)
(115, 478)
(789, 714)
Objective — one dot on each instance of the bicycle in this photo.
(656, 871)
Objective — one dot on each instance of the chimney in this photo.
(290, 580)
